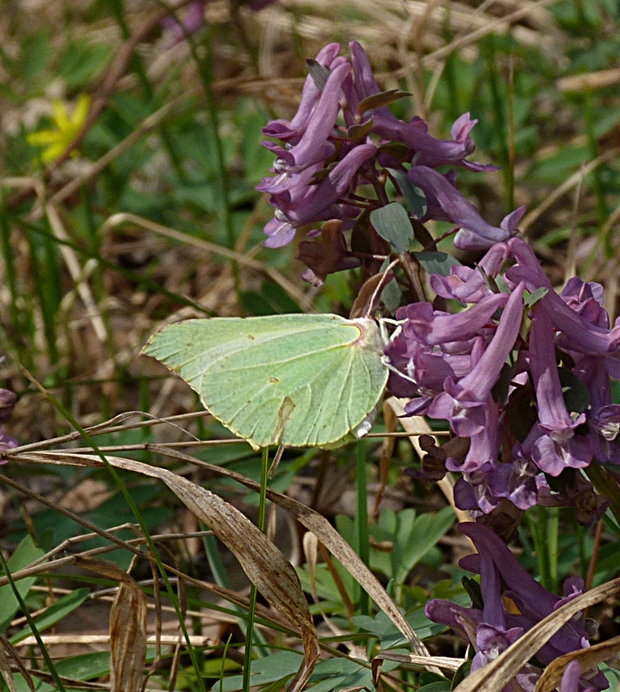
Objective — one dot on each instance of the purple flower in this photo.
(578, 333)
(493, 628)
(552, 443)
(339, 140)
(571, 678)
(303, 203)
(475, 233)
(471, 285)
(291, 131)
(194, 21)
(463, 403)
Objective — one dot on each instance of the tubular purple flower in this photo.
(531, 598)
(462, 402)
(365, 84)
(582, 336)
(305, 203)
(553, 415)
(475, 233)
(571, 678)
(519, 481)
(493, 629)
(603, 416)
(433, 327)
(319, 198)
(468, 239)
(470, 285)
(291, 131)
(586, 299)
(553, 456)
(313, 146)
(485, 443)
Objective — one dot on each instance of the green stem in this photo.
(262, 513)
(33, 627)
(361, 520)
(553, 530)
(539, 531)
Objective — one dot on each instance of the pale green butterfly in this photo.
(297, 380)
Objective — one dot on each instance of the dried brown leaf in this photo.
(127, 627)
(588, 658)
(128, 638)
(5, 666)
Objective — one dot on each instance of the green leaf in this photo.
(436, 262)
(532, 298)
(265, 670)
(297, 380)
(439, 686)
(85, 666)
(392, 224)
(414, 195)
(411, 537)
(25, 554)
(54, 613)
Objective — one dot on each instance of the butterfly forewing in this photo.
(298, 380)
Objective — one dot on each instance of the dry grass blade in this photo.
(128, 638)
(443, 662)
(262, 562)
(7, 651)
(333, 541)
(312, 520)
(588, 658)
(494, 676)
(5, 668)
(127, 627)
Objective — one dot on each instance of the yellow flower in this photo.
(57, 138)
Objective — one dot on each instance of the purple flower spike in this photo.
(334, 124)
